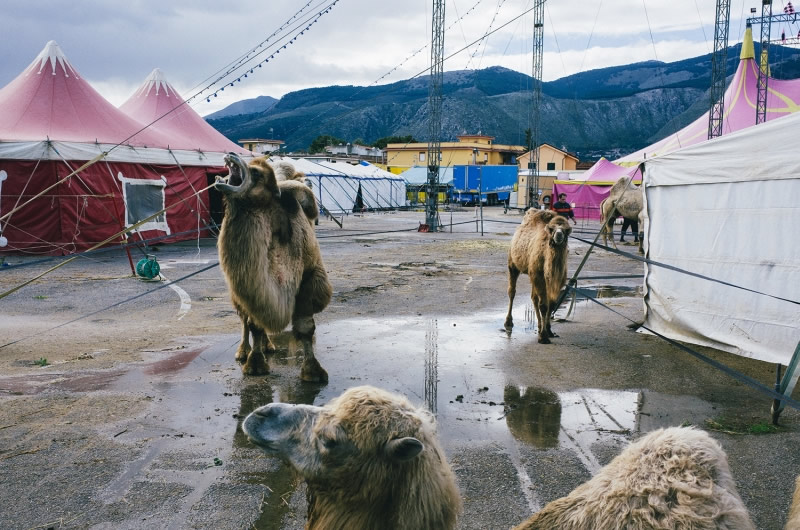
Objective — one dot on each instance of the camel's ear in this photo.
(547, 216)
(404, 449)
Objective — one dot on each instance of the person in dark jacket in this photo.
(563, 208)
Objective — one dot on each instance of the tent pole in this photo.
(787, 384)
(123, 238)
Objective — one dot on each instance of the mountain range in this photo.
(604, 112)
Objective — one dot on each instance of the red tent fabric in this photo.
(156, 102)
(53, 123)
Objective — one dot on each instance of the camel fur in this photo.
(271, 260)
(539, 249)
(793, 523)
(370, 458)
(624, 199)
(671, 478)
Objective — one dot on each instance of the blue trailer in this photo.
(493, 184)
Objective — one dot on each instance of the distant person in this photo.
(563, 208)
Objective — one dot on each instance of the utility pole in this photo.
(763, 62)
(719, 62)
(536, 100)
(435, 116)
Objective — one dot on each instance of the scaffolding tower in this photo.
(763, 62)
(435, 116)
(534, 117)
(719, 62)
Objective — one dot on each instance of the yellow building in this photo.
(469, 149)
(551, 161)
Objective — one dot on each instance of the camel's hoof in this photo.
(255, 365)
(241, 355)
(509, 325)
(552, 335)
(544, 340)
(313, 372)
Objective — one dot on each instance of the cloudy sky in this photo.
(115, 45)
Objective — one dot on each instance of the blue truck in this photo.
(491, 185)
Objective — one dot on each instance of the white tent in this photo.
(336, 185)
(727, 209)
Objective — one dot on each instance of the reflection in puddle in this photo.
(432, 366)
(533, 415)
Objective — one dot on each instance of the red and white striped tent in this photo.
(54, 122)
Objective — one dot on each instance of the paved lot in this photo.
(133, 421)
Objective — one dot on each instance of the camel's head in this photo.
(361, 437)
(558, 231)
(255, 182)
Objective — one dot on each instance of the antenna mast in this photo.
(435, 117)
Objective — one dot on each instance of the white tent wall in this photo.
(727, 209)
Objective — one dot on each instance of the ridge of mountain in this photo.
(603, 112)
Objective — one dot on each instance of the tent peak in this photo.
(158, 80)
(53, 54)
(748, 51)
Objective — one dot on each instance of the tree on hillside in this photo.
(320, 142)
(381, 142)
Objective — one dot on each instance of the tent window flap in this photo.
(143, 198)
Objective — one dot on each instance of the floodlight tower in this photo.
(536, 101)
(719, 62)
(763, 63)
(435, 116)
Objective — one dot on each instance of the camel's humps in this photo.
(539, 249)
(370, 458)
(624, 199)
(271, 260)
(671, 478)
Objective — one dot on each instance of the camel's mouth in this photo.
(237, 174)
(559, 238)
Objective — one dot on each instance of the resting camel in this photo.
(370, 458)
(671, 478)
(271, 260)
(628, 204)
(372, 461)
(539, 249)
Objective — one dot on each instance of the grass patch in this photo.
(41, 361)
(40, 297)
(729, 426)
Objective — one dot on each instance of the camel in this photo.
(371, 460)
(271, 260)
(629, 204)
(539, 249)
(671, 478)
(793, 523)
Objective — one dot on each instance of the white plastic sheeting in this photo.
(336, 185)
(728, 209)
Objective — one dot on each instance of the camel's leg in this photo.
(513, 275)
(256, 363)
(540, 304)
(314, 294)
(244, 346)
(551, 307)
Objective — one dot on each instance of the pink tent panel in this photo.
(50, 100)
(739, 110)
(156, 102)
(587, 195)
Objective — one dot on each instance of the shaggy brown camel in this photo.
(671, 478)
(629, 204)
(370, 458)
(271, 260)
(539, 249)
(793, 523)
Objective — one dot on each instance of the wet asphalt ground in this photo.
(134, 421)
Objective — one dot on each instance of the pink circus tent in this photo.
(53, 123)
(783, 98)
(587, 192)
(156, 102)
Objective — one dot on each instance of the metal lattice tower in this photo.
(763, 62)
(536, 101)
(435, 116)
(719, 62)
